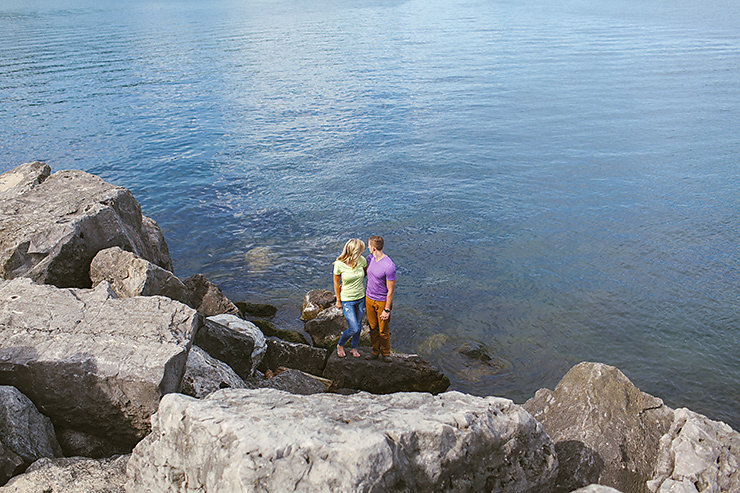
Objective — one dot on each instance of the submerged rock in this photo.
(89, 360)
(361, 442)
(130, 275)
(25, 433)
(51, 226)
(404, 373)
(605, 429)
(72, 475)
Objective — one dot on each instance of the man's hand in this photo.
(384, 315)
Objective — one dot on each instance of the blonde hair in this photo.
(352, 251)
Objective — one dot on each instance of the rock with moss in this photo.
(271, 330)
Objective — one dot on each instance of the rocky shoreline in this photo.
(115, 375)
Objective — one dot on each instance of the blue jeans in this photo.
(353, 311)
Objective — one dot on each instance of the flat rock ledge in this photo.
(89, 360)
(269, 440)
(71, 475)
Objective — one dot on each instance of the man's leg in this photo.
(373, 317)
(384, 332)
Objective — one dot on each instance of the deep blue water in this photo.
(556, 183)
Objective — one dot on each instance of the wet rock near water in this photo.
(130, 275)
(398, 442)
(89, 360)
(326, 328)
(248, 310)
(25, 434)
(269, 329)
(236, 342)
(316, 301)
(72, 475)
(205, 374)
(207, 298)
(52, 225)
(404, 373)
(293, 355)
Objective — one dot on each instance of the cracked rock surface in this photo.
(52, 225)
(86, 365)
(269, 440)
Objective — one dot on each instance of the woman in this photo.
(349, 287)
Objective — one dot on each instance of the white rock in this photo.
(269, 440)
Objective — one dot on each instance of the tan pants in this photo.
(380, 335)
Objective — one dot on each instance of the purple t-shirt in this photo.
(378, 272)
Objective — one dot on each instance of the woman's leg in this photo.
(359, 314)
(353, 325)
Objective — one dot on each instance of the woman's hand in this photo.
(339, 304)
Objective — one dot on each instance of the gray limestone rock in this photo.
(604, 428)
(293, 381)
(72, 475)
(24, 431)
(236, 342)
(91, 361)
(404, 373)
(316, 301)
(205, 374)
(51, 227)
(326, 328)
(207, 298)
(330, 442)
(130, 275)
(76, 443)
(697, 455)
(293, 355)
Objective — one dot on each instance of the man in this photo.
(381, 283)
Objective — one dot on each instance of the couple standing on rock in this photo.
(350, 270)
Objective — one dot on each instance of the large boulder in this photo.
(130, 275)
(697, 455)
(404, 373)
(208, 298)
(72, 475)
(236, 342)
(25, 433)
(605, 429)
(292, 355)
(51, 226)
(205, 374)
(315, 302)
(330, 442)
(326, 328)
(90, 361)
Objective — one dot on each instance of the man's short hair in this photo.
(376, 242)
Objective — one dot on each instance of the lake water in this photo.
(556, 183)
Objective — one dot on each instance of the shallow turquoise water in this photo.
(555, 183)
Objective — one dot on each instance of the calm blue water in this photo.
(556, 183)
